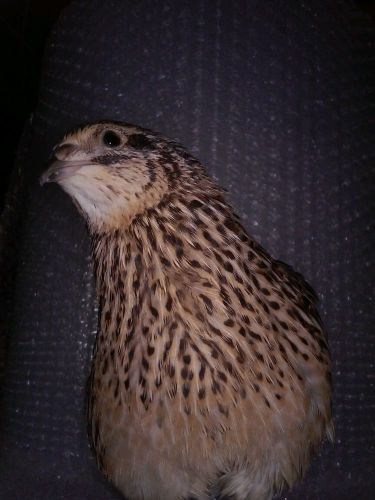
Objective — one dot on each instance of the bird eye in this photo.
(111, 139)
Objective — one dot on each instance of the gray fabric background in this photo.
(275, 98)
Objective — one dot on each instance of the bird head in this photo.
(113, 171)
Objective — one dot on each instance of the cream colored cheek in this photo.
(92, 188)
(130, 177)
(106, 193)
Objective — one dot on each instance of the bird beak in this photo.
(61, 169)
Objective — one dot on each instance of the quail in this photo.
(211, 369)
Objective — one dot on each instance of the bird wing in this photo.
(305, 296)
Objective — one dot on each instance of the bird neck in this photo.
(148, 277)
(161, 245)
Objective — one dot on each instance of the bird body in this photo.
(211, 371)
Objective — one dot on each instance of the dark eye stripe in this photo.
(139, 141)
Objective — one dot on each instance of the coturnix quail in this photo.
(211, 371)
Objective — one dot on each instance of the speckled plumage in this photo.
(211, 371)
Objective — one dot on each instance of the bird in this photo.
(211, 371)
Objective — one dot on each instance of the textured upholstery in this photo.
(274, 98)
